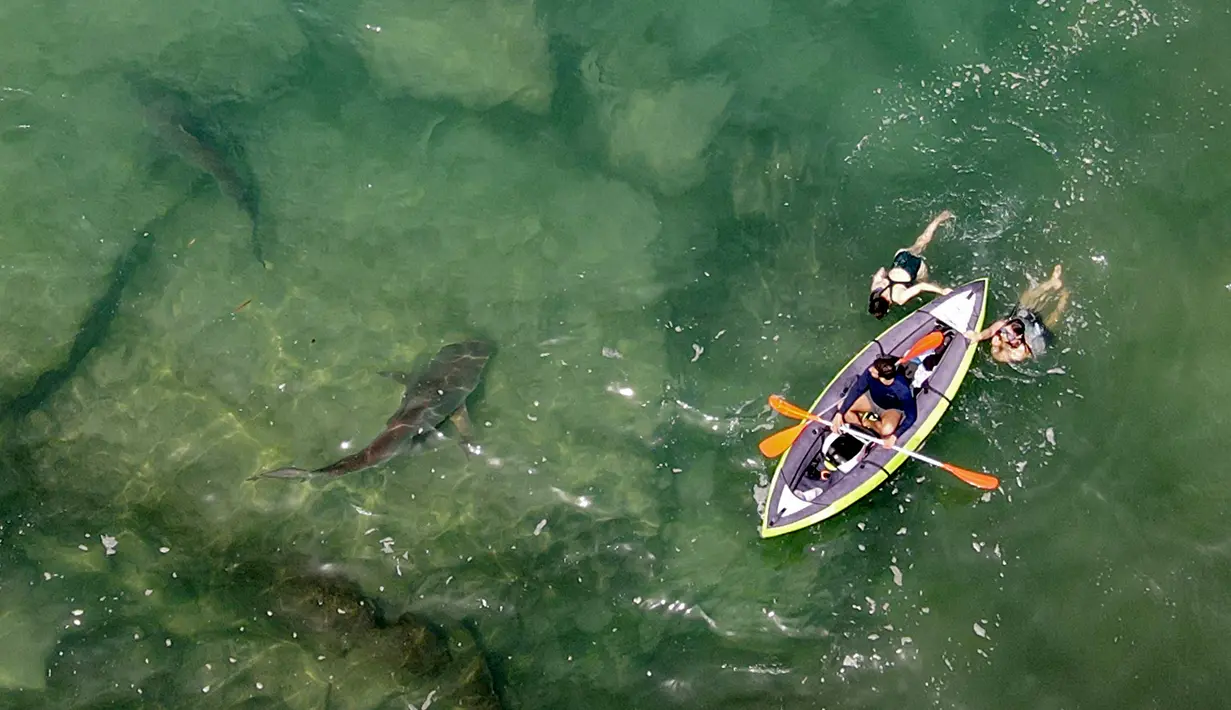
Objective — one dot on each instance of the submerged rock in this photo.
(365, 656)
(767, 175)
(192, 631)
(480, 53)
(656, 133)
(333, 613)
(26, 639)
(409, 198)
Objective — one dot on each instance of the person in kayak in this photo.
(1026, 332)
(881, 400)
(907, 276)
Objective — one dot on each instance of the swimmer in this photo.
(907, 276)
(1026, 332)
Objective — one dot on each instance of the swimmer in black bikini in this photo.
(1026, 332)
(907, 276)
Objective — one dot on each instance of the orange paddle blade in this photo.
(928, 342)
(786, 409)
(777, 443)
(978, 480)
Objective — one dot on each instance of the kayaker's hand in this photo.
(889, 441)
(836, 425)
(971, 335)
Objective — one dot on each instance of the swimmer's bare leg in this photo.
(922, 241)
(1054, 317)
(1054, 283)
(1033, 297)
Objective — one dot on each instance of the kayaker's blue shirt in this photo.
(895, 396)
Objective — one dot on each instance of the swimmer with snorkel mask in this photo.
(1027, 333)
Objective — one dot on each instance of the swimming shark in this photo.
(183, 128)
(433, 394)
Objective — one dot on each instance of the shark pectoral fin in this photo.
(461, 420)
(288, 472)
(428, 438)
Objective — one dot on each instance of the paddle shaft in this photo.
(979, 480)
(869, 439)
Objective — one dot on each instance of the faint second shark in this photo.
(435, 393)
(183, 128)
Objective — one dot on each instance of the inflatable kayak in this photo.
(823, 473)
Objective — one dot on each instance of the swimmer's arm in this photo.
(911, 292)
(925, 286)
(986, 332)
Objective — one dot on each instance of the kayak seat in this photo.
(828, 464)
(843, 449)
(846, 447)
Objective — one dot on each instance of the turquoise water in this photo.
(660, 214)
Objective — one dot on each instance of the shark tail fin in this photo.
(404, 378)
(288, 472)
(257, 249)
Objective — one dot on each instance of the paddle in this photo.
(978, 480)
(931, 341)
(775, 444)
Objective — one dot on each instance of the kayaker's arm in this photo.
(836, 424)
(857, 389)
(910, 411)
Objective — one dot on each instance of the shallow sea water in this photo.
(659, 214)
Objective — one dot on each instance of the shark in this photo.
(433, 394)
(183, 127)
